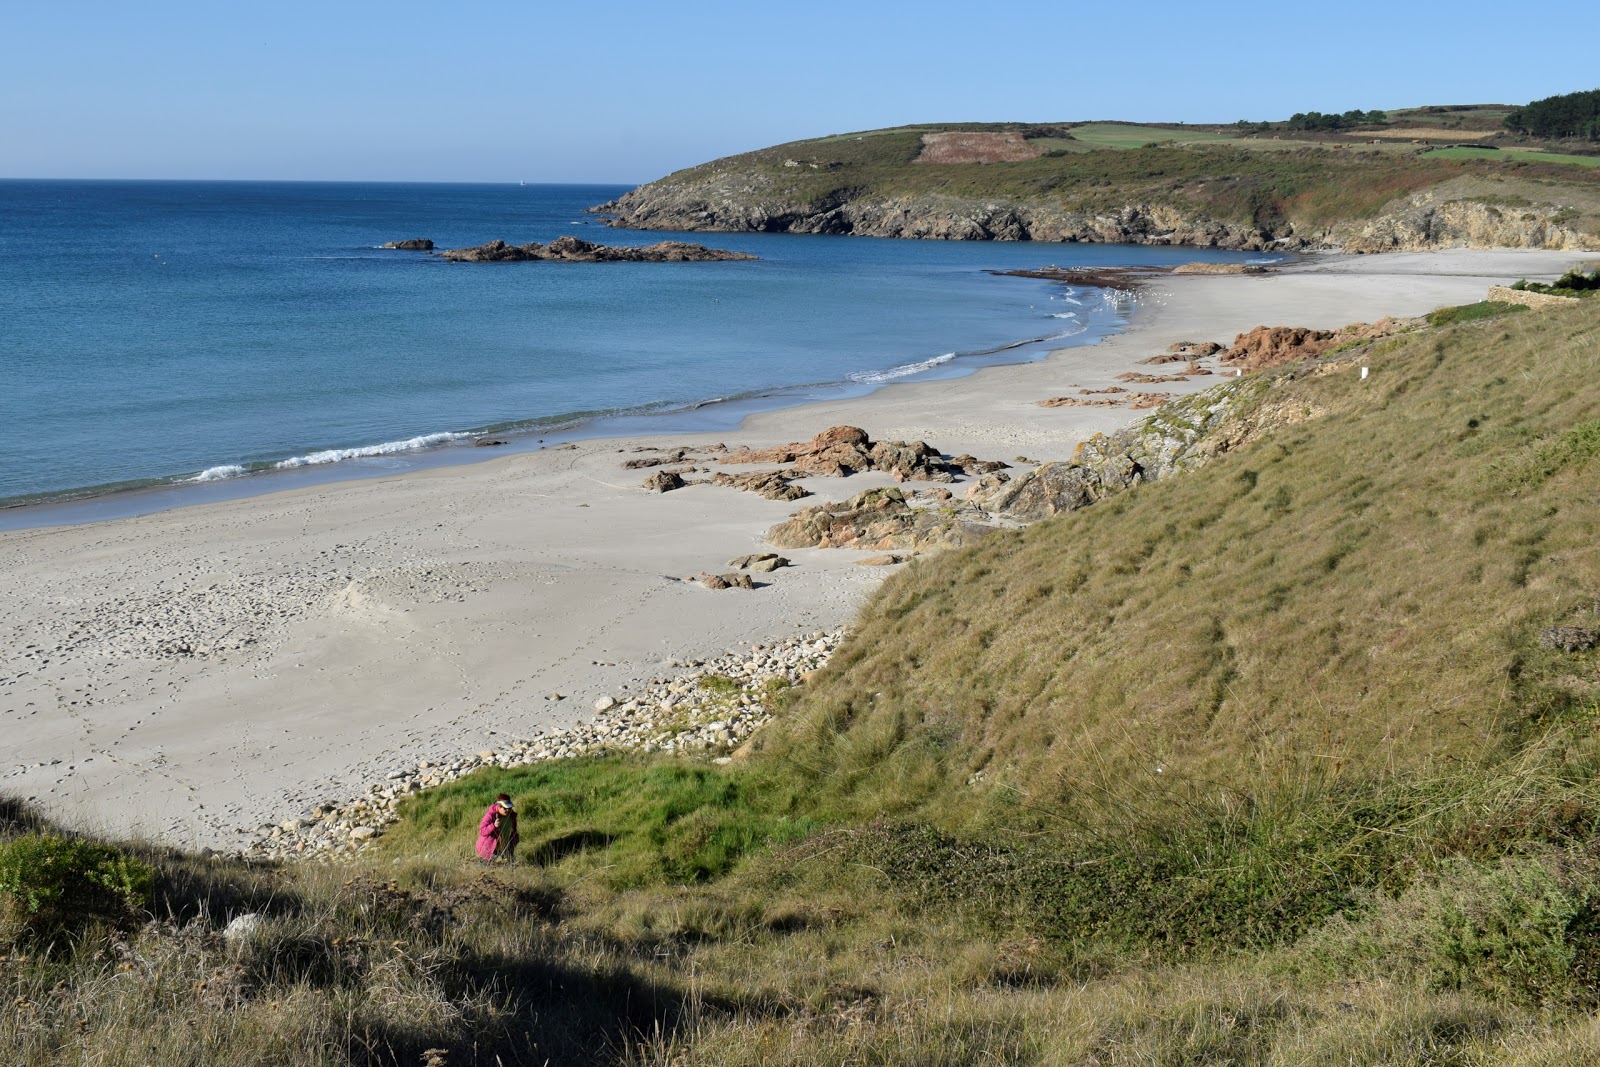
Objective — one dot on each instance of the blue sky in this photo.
(625, 92)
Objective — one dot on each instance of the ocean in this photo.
(160, 333)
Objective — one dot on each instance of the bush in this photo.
(53, 885)
(1522, 930)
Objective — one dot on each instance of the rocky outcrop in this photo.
(573, 250)
(878, 519)
(840, 451)
(736, 200)
(1274, 346)
(1434, 219)
(737, 196)
(774, 485)
(415, 244)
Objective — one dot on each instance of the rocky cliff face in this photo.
(1432, 219)
(733, 199)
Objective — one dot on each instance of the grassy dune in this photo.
(1267, 763)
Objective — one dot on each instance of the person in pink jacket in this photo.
(497, 831)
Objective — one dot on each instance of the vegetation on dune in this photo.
(1290, 759)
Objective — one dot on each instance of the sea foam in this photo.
(388, 448)
(874, 376)
(217, 474)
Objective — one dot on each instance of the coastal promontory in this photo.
(1431, 177)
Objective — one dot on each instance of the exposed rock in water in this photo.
(415, 244)
(574, 250)
(1219, 268)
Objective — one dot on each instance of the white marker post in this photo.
(1363, 374)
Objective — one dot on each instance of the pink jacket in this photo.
(489, 832)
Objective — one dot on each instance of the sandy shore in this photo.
(186, 674)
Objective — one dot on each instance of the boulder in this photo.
(414, 244)
(728, 581)
(664, 482)
(243, 927)
(769, 564)
(888, 559)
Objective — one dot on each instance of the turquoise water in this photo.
(196, 332)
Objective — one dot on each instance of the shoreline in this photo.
(192, 673)
(230, 481)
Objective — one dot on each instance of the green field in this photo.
(1513, 155)
(1117, 135)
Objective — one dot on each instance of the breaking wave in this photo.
(874, 376)
(388, 448)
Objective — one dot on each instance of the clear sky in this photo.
(484, 90)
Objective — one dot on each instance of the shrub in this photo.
(52, 885)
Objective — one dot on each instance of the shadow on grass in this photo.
(548, 1013)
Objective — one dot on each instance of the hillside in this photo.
(1291, 757)
(1426, 178)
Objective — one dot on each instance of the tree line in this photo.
(1567, 115)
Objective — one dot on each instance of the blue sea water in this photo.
(165, 332)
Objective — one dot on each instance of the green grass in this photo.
(1483, 309)
(625, 821)
(1117, 135)
(1513, 155)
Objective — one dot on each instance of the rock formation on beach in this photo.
(574, 250)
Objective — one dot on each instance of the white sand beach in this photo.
(185, 674)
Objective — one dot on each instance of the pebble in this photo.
(674, 714)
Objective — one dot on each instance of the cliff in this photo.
(1234, 193)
